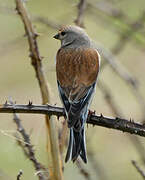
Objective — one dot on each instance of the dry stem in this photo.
(36, 60)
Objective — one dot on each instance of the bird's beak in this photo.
(56, 36)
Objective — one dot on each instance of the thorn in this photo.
(30, 103)
(47, 104)
(17, 11)
(37, 34)
(101, 115)
(42, 57)
(6, 103)
(135, 131)
(91, 113)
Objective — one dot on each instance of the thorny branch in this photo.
(140, 171)
(114, 123)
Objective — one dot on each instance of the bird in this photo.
(77, 67)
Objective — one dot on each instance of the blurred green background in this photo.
(112, 150)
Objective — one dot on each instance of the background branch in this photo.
(81, 9)
(140, 171)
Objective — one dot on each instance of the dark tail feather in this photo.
(69, 150)
(76, 146)
(83, 147)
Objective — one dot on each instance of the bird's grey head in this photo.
(73, 37)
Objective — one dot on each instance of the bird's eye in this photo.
(63, 33)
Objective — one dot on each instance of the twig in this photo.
(81, 9)
(28, 149)
(19, 175)
(126, 35)
(111, 15)
(82, 170)
(36, 60)
(114, 123)
(140, 171)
